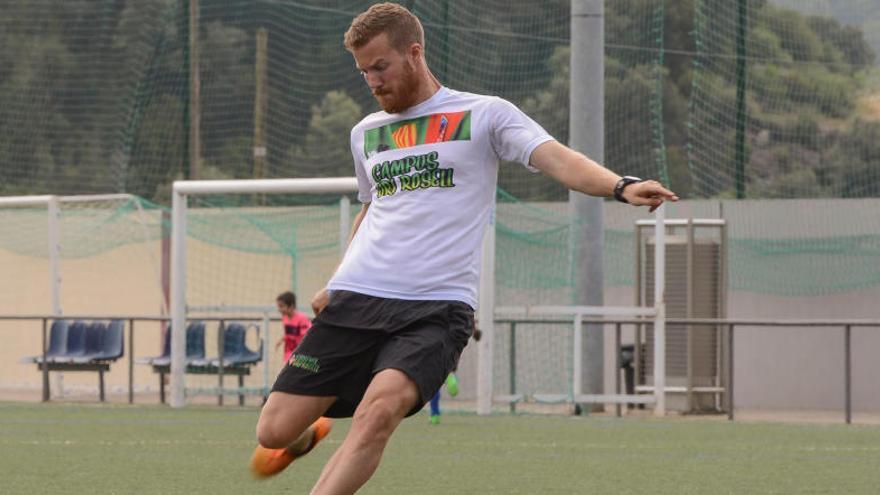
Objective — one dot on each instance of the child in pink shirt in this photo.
(296, 324)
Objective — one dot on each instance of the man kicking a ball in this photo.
(394, 318)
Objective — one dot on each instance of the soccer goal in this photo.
(540, 344)
(75, 256)
(237, 243)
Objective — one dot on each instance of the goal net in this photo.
(237, 244)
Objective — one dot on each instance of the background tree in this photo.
(326, 147)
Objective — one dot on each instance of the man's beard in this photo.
(405, 97)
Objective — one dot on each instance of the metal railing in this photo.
(730, 324)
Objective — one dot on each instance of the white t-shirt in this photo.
(430, 175)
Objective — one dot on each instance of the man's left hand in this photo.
(648, 193)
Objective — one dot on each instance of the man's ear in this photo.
(415, 51)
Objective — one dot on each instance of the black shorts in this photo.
(357, 336)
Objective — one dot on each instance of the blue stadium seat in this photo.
(76, 343)
(195, 346)
(112, 343)
(94, 343)
(235, 350)
(195, 342)
(57, 342)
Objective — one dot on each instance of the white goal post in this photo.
(486, 311)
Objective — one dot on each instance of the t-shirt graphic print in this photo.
(415, 171)
(429, 174)
(434, 128)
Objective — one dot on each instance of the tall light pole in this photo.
(587, 135)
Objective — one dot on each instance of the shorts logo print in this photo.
(307, 363)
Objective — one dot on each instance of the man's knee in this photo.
(285, 417)
(273, 434)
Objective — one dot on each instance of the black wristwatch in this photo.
(621, 185)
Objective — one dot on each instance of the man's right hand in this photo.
(319, 301)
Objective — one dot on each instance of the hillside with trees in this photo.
(94, 95)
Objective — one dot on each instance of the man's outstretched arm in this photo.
(577, 172)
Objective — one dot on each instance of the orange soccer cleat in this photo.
(269, 462)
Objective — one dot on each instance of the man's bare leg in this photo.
(285, 419)
(390, 396)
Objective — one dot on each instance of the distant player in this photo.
(451, 387)
(296, 324)
(395, 316)
(434, 404)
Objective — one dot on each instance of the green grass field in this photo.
(85, 448)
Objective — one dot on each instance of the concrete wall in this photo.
(788, 367)
(123, 281)
(774, 367)
(118, 282)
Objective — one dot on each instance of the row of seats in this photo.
(81, 346)
(235, 350)
(99, 342)
(83, 343)
(237, 357)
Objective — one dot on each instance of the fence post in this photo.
(730, 372)
(221, 334)
(131, 361)
(512, 361)
(847, 373)
(617, 365)
(265, 357)
(45, 366)
(577, 384)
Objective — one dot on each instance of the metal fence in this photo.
(729, 325)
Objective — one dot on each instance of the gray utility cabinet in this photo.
(695, 288)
